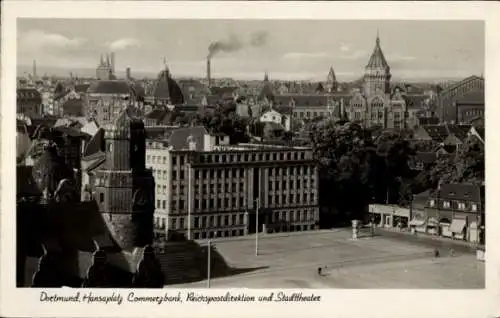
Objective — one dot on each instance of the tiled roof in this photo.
(302, 100)
(109, 87)
(457, 191)
(157, 114)
(81, 88)
(436, 132)
(473, 97)
(165, 88)
(95, 144)
(73, 107)
(178, 139)
(377, 59)
(460, 131)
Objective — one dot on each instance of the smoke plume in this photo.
(233, 43)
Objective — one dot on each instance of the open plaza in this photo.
(382, 261)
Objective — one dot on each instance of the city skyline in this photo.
(415, 50)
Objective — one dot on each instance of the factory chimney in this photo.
(209, 74)
(113, 62)
(34, 71)
(128, 74)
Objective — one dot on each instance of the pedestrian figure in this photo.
(320, 271)
(436, 252)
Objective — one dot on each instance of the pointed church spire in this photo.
(266, 77)
(377, 41)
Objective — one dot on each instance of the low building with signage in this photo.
(455, 211)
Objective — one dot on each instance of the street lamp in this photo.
(209, 263)
(257, 201)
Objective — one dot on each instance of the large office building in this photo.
(206, 188)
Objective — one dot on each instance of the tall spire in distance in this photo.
(266, 76)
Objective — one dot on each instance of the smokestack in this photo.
(128, 74)
(209, 74)
(34, 70)
(113, 62)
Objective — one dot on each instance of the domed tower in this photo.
(377, 72)
(165, 90)
(123, 197)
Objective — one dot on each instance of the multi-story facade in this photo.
(105, 100)
(29, 102)
(447, 109)
(215, 192)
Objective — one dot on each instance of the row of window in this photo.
(305, 198)
(457, 205)
(205, 188)
(238, 219)
(275, 185)
(156, 159)
(219, 173)
(473, 112)
(252, 157)
(309, 114)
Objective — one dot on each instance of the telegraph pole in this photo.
(209, 261)
(257, 226)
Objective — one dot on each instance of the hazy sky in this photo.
(295, 49)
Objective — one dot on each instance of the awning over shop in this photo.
(417, 222)
(432, 222)
(457, 225)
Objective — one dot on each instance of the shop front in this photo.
(458, 227)
(418, 222)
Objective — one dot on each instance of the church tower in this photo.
(124, 192)
(331, 81)
(377, 72)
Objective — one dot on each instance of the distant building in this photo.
(209, 189)
(104, 70)
(29, 102)
(272, 116)
(470, 108)
(106, 99)
(469, 89)
(454, 210)
(165, 91)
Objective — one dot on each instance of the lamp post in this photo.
(257, 201)
(209, 261)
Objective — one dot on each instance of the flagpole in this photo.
(257, 227)
(208, 267)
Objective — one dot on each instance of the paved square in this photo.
(291, 261)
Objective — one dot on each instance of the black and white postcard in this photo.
(249, 159)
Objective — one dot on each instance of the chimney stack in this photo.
(113, 62)
(34, 70)
(209, 75)
(129, 77)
